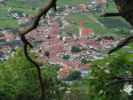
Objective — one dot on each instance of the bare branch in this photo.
(42, 12)
(122, 43)
(112, 14)
(122, 13)
(120, 79)
(35, 22)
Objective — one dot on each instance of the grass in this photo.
(8, 23)
(111, 7)
(102, 26)
(26, 7)
(71, 2)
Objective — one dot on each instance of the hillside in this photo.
(30, 8)
(72, 53)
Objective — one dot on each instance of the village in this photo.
(66, 50)
(56, 46)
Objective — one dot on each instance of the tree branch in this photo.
(122, 14)
(112, 14)
(120, 79)
(125, 13)
(35, 22)
(122, 43)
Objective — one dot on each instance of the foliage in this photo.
(75, 49)
(66, 57)
(84, 61)
(19, 81)
(74, 75)
(100, 84)
(55, 87)
(18, 77)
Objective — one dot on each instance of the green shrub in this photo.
(102, 86)
(66, 57)
(19, 80)
(74, 75)
(75, 49)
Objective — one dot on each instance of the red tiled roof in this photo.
(86, 32)
(55, 28)
(74, 64)
(101, 1)
(9, 37)
(85, 66)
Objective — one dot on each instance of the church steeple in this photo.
(81, 27)
(83, 31)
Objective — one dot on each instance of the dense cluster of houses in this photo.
(55, 48)
(93, 5)
(8, 43)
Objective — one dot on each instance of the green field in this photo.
(26, 7)
(116, 26)
(100, 25)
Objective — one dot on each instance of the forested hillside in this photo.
(66, 50)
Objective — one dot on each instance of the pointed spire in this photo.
(82, 22)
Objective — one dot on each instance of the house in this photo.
(2, 55)
(9, 37)
(101, 5)
(94, 44)
(85, 32)
(107, 42)
(83, 7)
(23, 20)
(83, 42)
(64, 72)
(84, 69)
(5, 49)
(2, 37)
(73, 64)
(101, 2)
